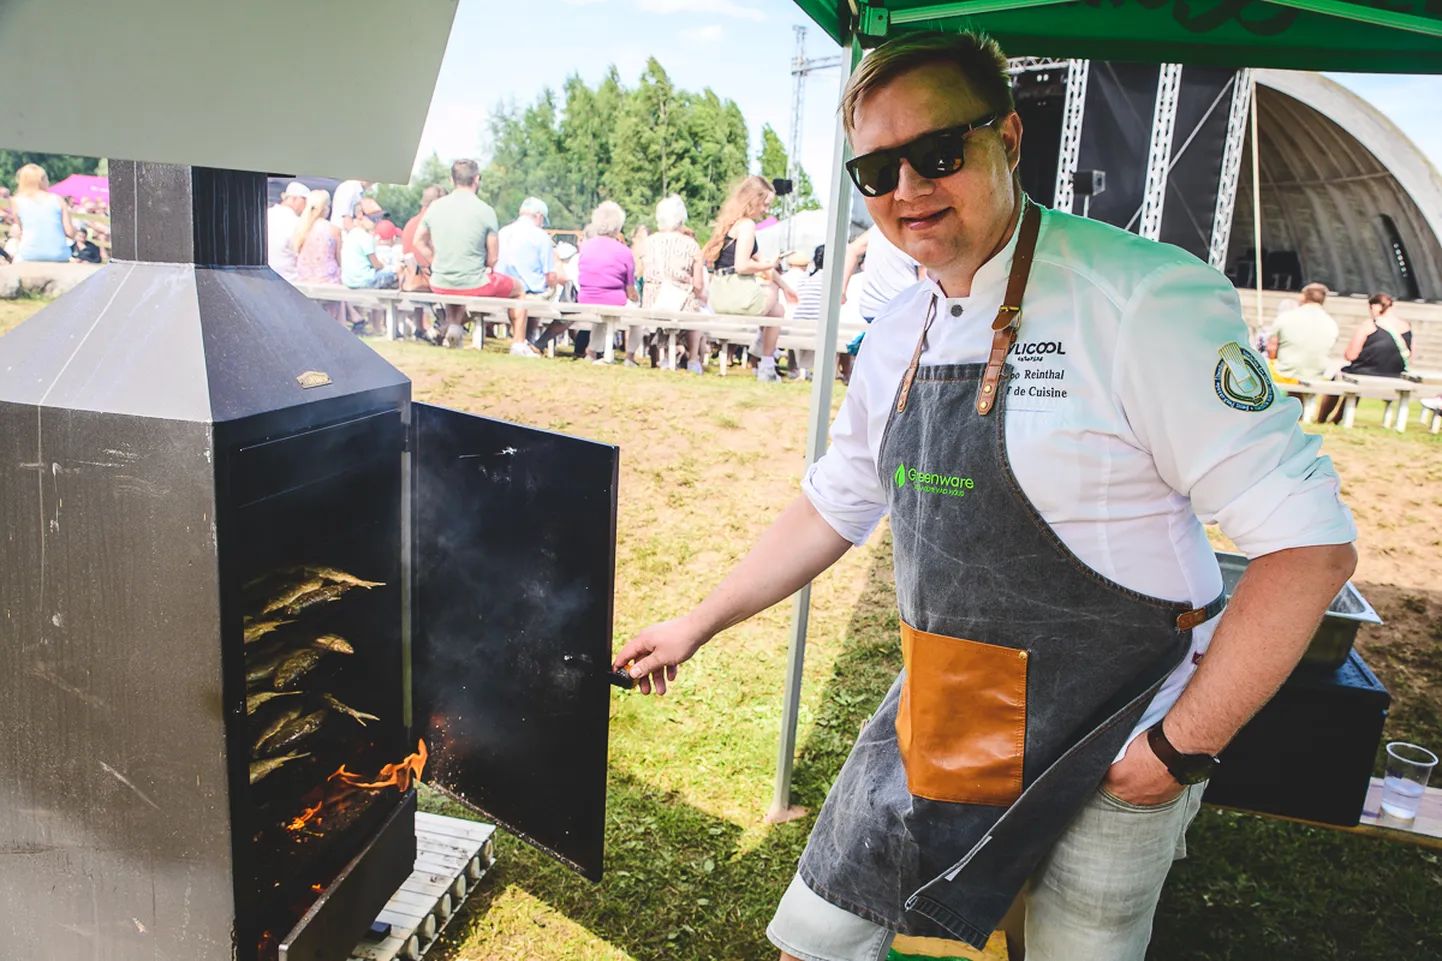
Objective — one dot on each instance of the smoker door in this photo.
(512, 572)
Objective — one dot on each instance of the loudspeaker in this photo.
(1309, 753)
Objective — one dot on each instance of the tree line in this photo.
(634, 145)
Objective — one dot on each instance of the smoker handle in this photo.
(622, 678)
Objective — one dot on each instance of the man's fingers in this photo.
(650, 664)
(659, 677)
(634, 648)
(671, 672)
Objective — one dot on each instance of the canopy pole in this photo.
(838, 222)
(1256, 199)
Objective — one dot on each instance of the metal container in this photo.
(1332, 643)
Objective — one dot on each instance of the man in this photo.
(528, 256)
(888, 272)
(458, 237)
(82, 248)
(344, 200)
(416, 270)
(1051, 733)
(280, 223)
(1303, 338)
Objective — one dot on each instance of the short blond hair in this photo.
(979, 58)
(1314, 294)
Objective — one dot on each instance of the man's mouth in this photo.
(924, 221)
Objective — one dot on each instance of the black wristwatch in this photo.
(1186, 768)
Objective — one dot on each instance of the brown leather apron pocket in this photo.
(961, 723)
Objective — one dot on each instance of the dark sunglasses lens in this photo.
(938, 156)
(874, 174)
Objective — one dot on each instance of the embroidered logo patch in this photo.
(1241, 381)
(900, 476)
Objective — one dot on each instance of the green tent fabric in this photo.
(1381, 36)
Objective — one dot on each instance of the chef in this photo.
(1048, 418)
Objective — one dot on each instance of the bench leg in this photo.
(671, 351)
(1349, 411)
(1387, 412)
(1403, 412)
(1310, 407)
(392, 322)
(725, 356)
(478, 332)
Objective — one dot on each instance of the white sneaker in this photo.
(523, 350)
(766, 373)
(454, 335)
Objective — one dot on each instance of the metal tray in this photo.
(1332, 643)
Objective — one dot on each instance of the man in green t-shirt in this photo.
(458, 233)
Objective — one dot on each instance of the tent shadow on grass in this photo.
(678, 885)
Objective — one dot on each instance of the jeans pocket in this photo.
(1115, 801)
(961, 722)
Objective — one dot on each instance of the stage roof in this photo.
(1383, 36)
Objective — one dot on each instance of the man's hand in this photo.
(657, 650)
(1140, 777)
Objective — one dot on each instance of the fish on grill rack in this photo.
(289, 672)
(254, 701)
(255, 630)
(294, 732)
(286, 716)
(291, 592)
(336, 576)
(315, 597)
(360, 716)
(259, 769)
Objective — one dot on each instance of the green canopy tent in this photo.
(1380, 36)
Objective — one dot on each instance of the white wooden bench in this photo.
(1312, 392)
(1391, 391)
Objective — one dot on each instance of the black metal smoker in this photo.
(182, 437)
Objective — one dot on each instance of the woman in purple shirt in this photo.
(606, 273)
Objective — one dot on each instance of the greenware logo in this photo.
(925, 482)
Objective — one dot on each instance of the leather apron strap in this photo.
(1008, 318)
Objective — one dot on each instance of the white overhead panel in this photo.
(269, 85)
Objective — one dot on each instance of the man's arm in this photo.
(1272, 342)
(854, 250)
(1267, 625)
(493, 249)
(793, 551)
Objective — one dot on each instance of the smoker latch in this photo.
(622, 678)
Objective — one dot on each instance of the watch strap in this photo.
(1185, 768)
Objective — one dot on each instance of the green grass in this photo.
(693, 874)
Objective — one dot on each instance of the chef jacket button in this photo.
(956, 310)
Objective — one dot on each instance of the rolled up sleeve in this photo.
(1255, 473)
(842, 485)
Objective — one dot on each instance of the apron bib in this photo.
(1025, 670)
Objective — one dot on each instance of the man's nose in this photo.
(911, 185)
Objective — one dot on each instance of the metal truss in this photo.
(1231, 168)
(1071, 129)
(1017, 65)
(1159, 155)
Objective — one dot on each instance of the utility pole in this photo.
(800, 67)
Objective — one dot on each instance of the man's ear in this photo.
(1011, 139)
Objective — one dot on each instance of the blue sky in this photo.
(742, 49)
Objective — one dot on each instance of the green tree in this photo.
(403, 201)
(774, 163)
(632, 145)
(57, 166)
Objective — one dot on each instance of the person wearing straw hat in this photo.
(1048, 418)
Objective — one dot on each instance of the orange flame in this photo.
(398, 776)
(344, 782)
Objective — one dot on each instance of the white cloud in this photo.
(723, 8)
(706, 34)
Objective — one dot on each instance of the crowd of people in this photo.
(456, 246)
(39, 225)
(1299, 344)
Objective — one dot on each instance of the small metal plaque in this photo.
(313, 378)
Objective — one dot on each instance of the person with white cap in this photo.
(528, 255)
(281, 221)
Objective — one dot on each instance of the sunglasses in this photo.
(938, 154)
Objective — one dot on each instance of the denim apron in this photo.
(1025, 670)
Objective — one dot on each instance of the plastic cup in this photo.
(1408, 768)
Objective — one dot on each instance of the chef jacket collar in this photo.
(990, 275)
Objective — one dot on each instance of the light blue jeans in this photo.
(1091, 899)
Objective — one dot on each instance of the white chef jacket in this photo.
(1117, 427)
